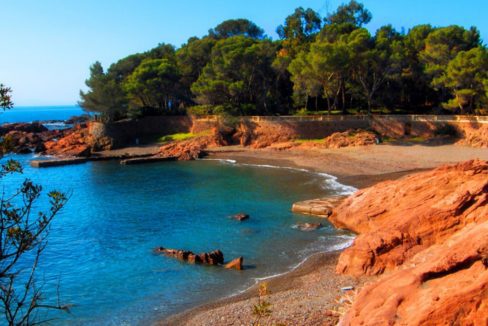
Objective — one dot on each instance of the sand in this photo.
(305, 295)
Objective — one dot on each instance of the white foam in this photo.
(330, 181)
(219, 160)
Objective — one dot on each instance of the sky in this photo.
(46, 47)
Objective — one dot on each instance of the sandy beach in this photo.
(304, 295)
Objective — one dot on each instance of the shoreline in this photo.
(319, 265)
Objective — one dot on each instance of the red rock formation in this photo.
(27, 137)
(474, 136)
(215, 257)
(446, 284)
(350, 138)
(185, 150)
(77, 142)
(429, 233)
(397, 219)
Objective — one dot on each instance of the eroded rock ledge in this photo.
(428, 234)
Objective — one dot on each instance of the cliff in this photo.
(428, 235)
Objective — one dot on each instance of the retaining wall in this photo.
(126, 132)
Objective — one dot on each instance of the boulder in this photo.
(235, 264)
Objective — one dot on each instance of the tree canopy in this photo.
(331, 64)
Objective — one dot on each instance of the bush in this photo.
(446, 130)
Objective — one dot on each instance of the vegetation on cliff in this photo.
(318, 64)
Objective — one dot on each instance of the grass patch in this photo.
(182, 136)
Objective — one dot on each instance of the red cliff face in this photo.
(428, 234)
(397, 219)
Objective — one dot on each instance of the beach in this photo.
(304, 295)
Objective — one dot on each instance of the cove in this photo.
(100, 246)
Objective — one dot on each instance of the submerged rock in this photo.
(241, 217)
(309, 226)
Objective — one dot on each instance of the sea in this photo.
(100, 258)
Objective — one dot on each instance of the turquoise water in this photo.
(100, 246)
(39, 113)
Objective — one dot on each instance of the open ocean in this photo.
(39, 113)
(100, 246)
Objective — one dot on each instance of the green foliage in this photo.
(5, 97)
(352, 13)
(466, 77)
(446, 130)
(238, 76)
(182, 136)
(237, 27)
(330, 64)
(23, 234)
(154, 84)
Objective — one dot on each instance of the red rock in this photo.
(185, 150)
(235, 264)
(350, 138)
(397, 219)
(75, 142)
(446, 284)
(215, 257)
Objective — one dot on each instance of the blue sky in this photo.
(47, 46)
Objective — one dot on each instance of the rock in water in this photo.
(235, 264)
(309, 226)
(241, 217)
(215, 257)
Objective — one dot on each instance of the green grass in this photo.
(182, 136)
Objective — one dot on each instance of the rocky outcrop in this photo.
(397, 219)
(255, 135)
(446, 284)
(215, 257)
(350, 138)
(25, 138)
(185, 150)
(428, 234)
(474, 135)
(321, 207)
(76, 142)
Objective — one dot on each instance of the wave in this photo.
(330, 181)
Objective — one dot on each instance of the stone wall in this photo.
(128, 132)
